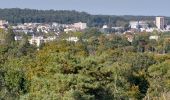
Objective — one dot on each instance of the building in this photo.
(134, 24)
(3, 24)
(105, 26)
(168, 27)
(72, 39)
(36, 41)
(18, 38)
(40, 40)
(160, 22)
(154, 37)
(138, 24)
(69, 29)
(80, 25)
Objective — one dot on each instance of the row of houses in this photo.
(33, 28)
(40, 40)
(46, 28)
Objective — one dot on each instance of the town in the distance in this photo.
(53, 30)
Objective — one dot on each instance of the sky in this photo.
(104, 7)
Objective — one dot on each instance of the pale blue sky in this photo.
(111, 7)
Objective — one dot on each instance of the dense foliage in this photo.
(102, 67)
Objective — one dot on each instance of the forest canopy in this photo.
(106, 67)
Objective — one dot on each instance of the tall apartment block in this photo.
(160, 22)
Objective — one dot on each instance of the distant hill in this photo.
(16, 15)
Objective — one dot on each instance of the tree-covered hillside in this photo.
(17, 15)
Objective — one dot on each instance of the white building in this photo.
(40, 39)
(138, 24)
(150, 29)
(18, 38)
(50, 38)
(154, 37)
(80, 25)
(67, 30)
(3, 23)
(160, 22)
(72, 39)
(168, 27)
(105, 26)
(36, 41)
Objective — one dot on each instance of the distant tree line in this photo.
(16, 15)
